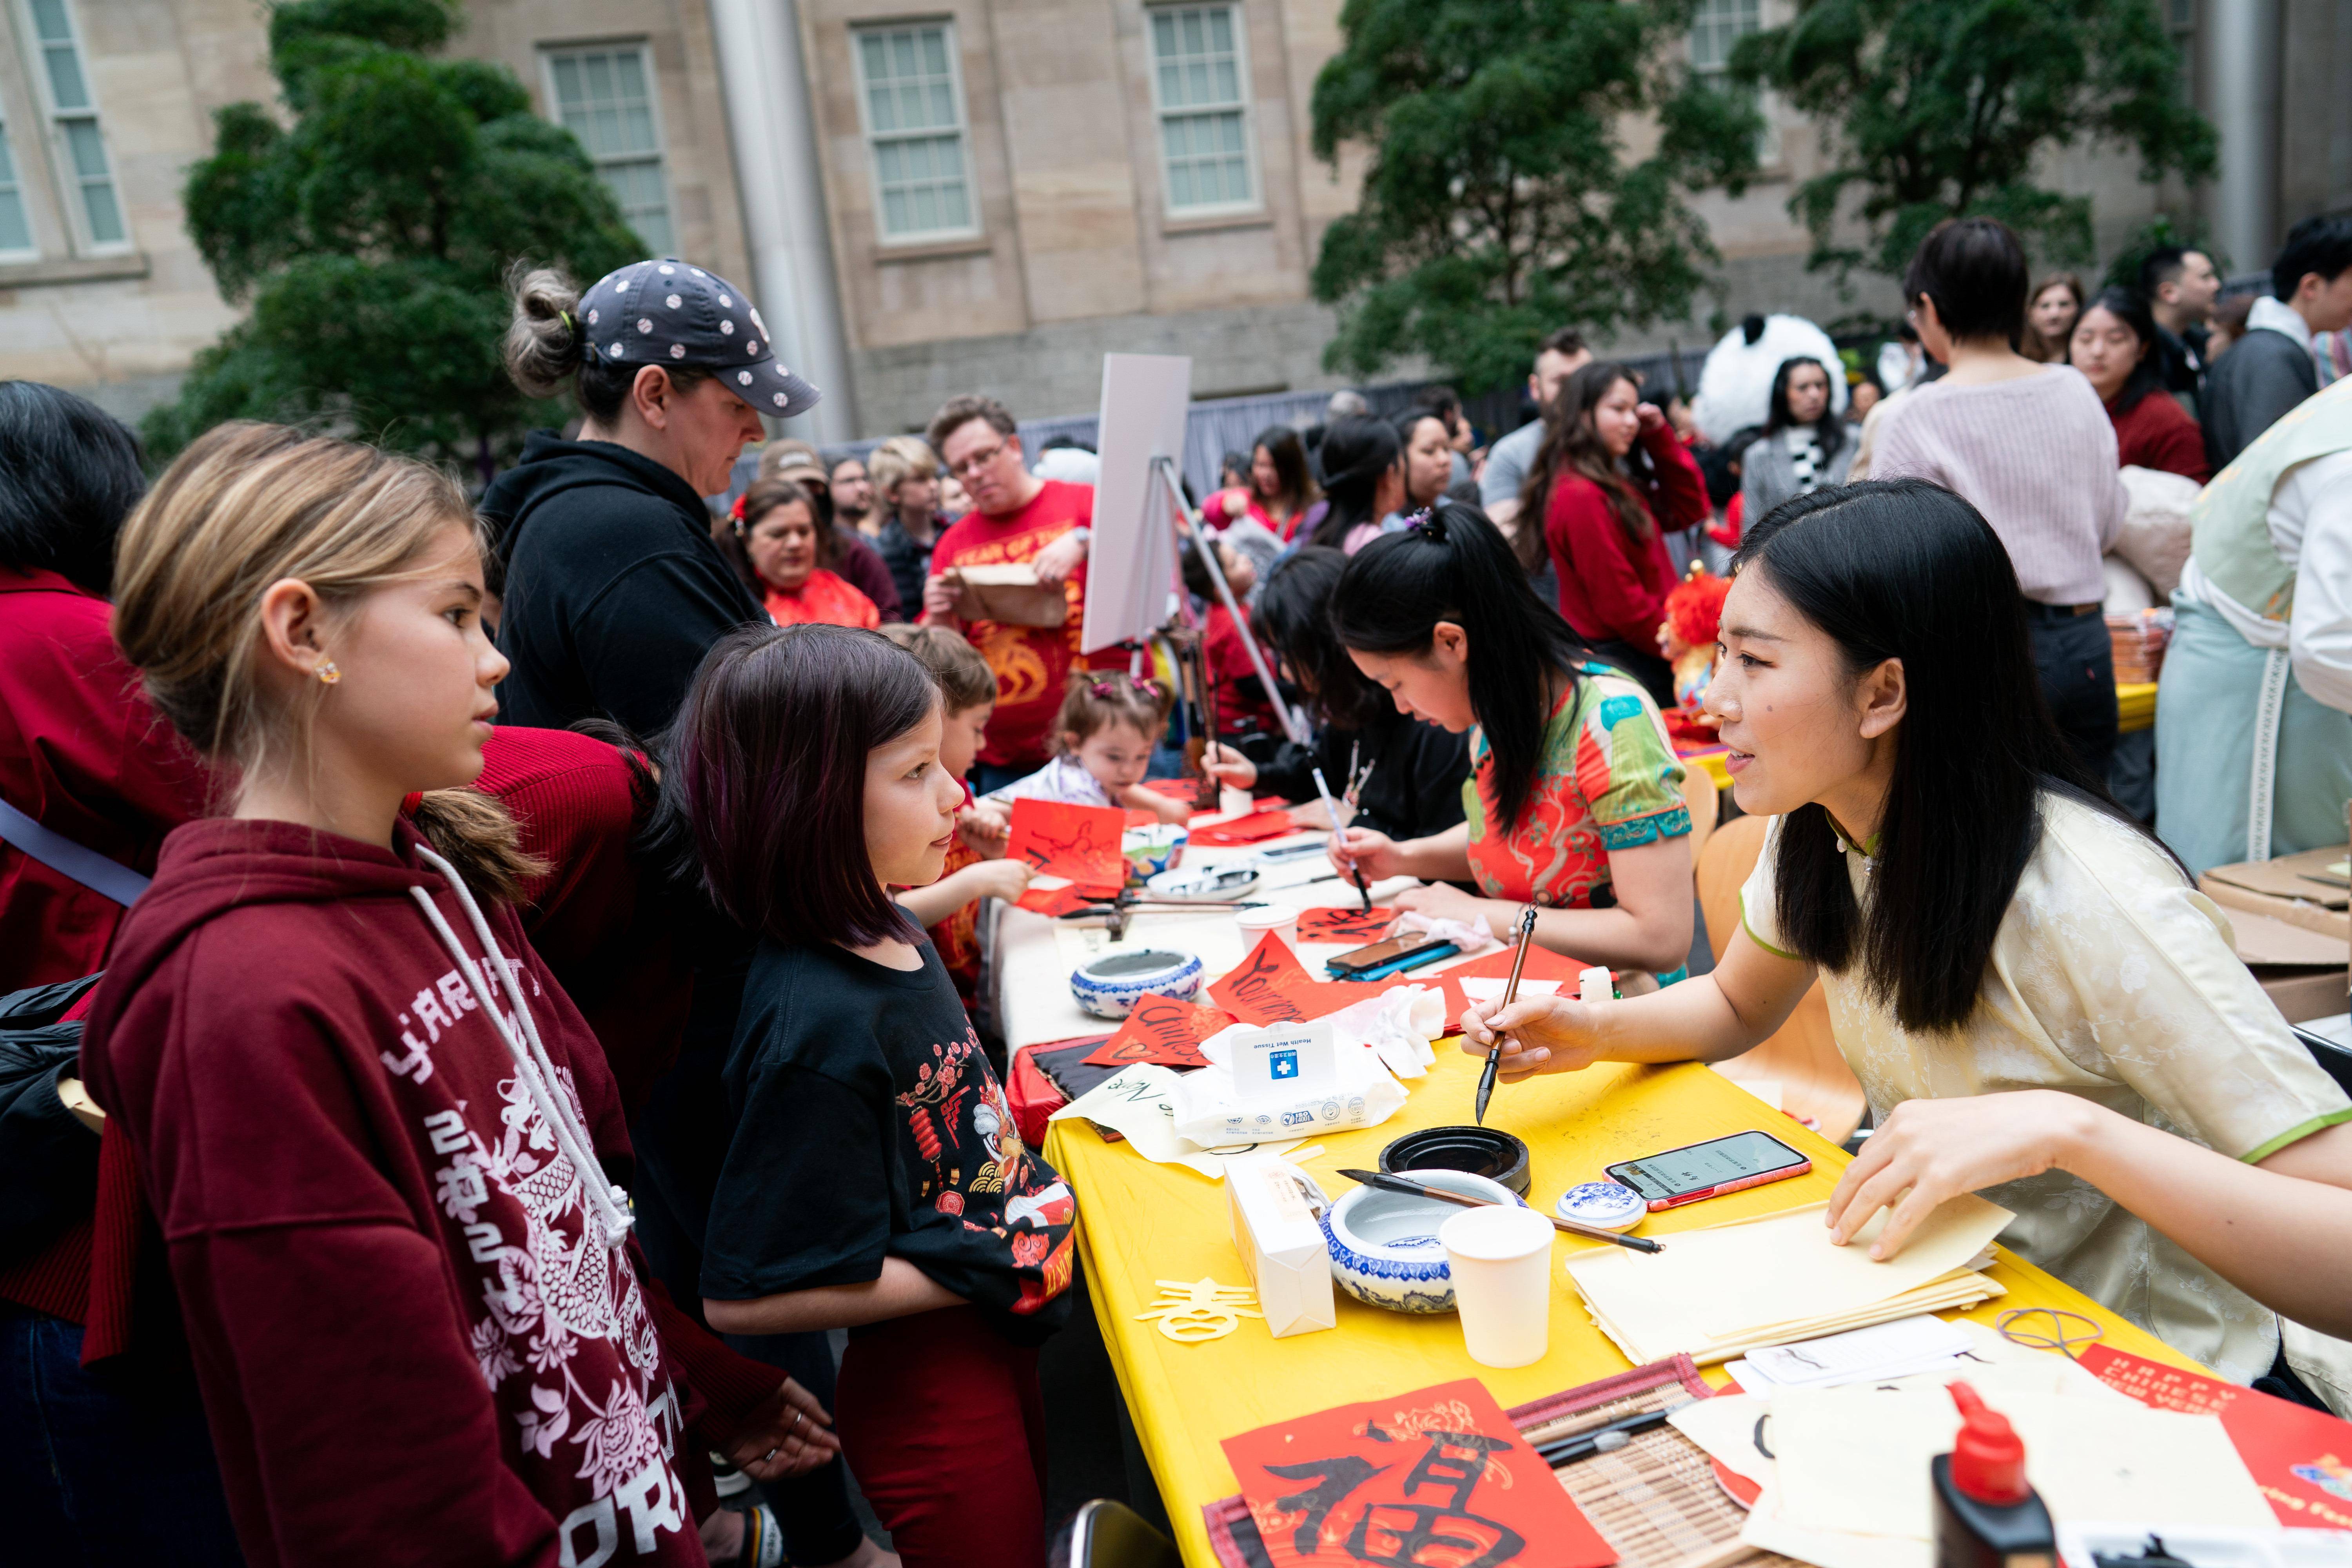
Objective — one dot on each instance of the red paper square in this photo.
(1436, 1476)
(1249, 829)
(1357, 925)
(1542, 964)
(1058, 900)
(1164, 1030)
(1269, 987)
(1080, 842)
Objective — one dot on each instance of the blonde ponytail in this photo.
(474, 832)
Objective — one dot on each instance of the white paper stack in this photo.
(1723, 1291)
(1280, 1243)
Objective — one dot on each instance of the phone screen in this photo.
(1702, 1165)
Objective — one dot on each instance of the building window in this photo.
(1197, 73)
(913, 104)
(88, 173)
(16, 230)
(1716, 27)
(604, 96)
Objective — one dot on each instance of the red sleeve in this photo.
(1680, 500)
(2178, 445)
(1589, 544)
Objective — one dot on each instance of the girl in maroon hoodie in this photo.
(385, 1150)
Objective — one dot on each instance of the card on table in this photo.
(1437, 1475)
(1349, 925)
(2299, 1458)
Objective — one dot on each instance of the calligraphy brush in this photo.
(1510, 994)
(1583, 1444)
(1388, 1183)
(1339, 830)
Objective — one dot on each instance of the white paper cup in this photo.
(1280, 919)
(1235, 802)
(1500, 1258)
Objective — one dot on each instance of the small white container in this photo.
(1280, 919)
(1236, 803)
(1604, 1206)
(1501, 1262)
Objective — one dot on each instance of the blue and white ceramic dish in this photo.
(1204, 884)
(1384, 1246)
(1604, 1206)
(1153, 849)
(1111, 986)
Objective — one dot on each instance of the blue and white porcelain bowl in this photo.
(1384, 1246)
(1153, 849)
(1110, 987)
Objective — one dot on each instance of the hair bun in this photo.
(1429, 525)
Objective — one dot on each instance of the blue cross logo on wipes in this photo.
(1281, 1063)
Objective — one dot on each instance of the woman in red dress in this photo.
(1610, 482)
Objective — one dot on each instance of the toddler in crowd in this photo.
(1103, 735)
(949, 908)
(372, 1126)
(877, 1180)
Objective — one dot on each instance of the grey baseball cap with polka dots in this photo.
(666, 312)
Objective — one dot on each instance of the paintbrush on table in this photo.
(1388, 1183)
(1510, 994)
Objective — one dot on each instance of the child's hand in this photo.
(1228, 766)
(1006, 879)
(1144, 798)
(987, 827)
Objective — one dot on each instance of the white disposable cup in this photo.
(1280, 919)
(1500, 1258)
(1235, 802)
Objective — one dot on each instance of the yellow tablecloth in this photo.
(1140, 1223)
(2135, 707)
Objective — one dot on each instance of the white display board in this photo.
(1131, 563)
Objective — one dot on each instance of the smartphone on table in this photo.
(1380, 958)
(1708, 1170)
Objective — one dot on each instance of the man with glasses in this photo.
(1016, 518)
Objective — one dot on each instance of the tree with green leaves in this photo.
(1501, 199)
(369, 228)
(1938, 109)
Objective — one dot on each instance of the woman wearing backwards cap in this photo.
(614, 589)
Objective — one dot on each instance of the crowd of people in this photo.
(495, 986)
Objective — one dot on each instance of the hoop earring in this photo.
(327, 672)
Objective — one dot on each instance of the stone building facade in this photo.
(964, 193)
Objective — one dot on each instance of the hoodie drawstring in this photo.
(531, 1064)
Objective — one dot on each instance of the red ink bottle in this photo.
(1986, 1515)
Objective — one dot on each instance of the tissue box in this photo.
(1280, 1243)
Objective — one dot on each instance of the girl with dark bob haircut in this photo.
(875, 1179)
(1574, 802)
(1983, 918)
(1415, 787)
(70, 474)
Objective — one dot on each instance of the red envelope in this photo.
(1270, 987)
(1080, 842)
(1542, 964)
(1357, 925)
(1249, 829)
(1164, 1030)
(1439, 1475)
(2301, 1458)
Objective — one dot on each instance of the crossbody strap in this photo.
(106, 877)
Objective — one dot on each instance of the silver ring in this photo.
(798, 1416)
(769, 1454)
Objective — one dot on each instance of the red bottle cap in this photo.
(1987, 1459)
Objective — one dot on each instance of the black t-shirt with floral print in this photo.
(867, 1123)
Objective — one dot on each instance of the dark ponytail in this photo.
(1454, 565)
(1355, 453)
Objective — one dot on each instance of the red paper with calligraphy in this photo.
(1248, 829)
(1080, 842)
(1164, 1030)
(1436, 1478)
(1270, 987)
(1057, 900)
(2302, 1458)
(1356, 925)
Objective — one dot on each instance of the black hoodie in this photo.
(614, 589)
